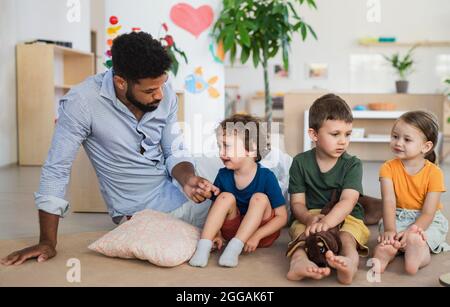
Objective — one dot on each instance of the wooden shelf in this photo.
(45, 71)
(407, 44)
(63, 87)
(370, 140)
(377, 114)
(70, 51)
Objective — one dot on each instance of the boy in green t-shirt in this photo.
(313, 176)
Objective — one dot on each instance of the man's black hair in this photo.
(138, 55)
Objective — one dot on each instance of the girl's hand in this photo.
(388, 237)
(251, 244)
(403, 236)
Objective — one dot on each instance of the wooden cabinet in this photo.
(44, 74)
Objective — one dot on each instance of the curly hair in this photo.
(138, 55)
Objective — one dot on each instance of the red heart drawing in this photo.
(195, 21)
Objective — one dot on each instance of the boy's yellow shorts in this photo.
(352, 225)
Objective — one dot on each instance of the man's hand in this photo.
(46, 249)
(42, 252)
(198, 189)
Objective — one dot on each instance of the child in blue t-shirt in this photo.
(250, 210)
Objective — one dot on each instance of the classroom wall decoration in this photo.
(201, 81)
(196, 84)
(195, 21)
(217, 52)
(112, 32)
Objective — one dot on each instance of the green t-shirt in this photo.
(305, 177)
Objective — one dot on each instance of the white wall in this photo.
(98, 25)
(24, 20)
(339, 24)
(47, 19)
(8, 121)
(148, 15)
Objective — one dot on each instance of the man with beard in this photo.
(126, 120)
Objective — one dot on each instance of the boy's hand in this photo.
(218, 242)
(317, 227)
(311, 220)
(251, 244)
(388, 237)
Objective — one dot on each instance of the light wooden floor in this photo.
(266, 267)
(18, 216)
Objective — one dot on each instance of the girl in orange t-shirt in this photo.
(411, 187)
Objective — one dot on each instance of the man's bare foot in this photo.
(385, 253)
(344, 267)
(303, 268)
(417, 253)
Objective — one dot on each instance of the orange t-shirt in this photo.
(411, 190)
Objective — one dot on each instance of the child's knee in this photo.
(226, 197)
(259, 198)
(347, 239)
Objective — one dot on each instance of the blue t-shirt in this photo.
(264, 182)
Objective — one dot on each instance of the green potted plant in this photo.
(403, 66)
(259, 29)
(447, 81)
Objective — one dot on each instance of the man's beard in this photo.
(141, 106)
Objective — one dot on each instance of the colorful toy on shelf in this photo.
(360, 107)
(387, 39)
(374, 40)
(196, 84)
(382, 106)
(112, 31)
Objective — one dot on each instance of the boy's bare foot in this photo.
(385, 253)
(344, 267)
(303, 268)
(417, 253)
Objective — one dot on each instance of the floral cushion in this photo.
(153, 236)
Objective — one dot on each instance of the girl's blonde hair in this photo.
(428, 124)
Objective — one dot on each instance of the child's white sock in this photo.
(201, 256)
(230, 256)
